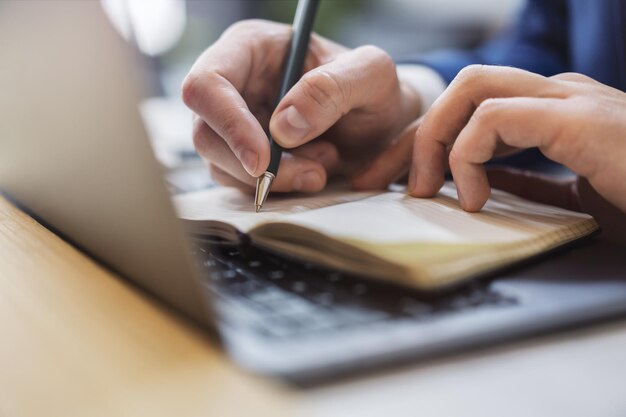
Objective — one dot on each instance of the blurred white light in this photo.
(155, 25)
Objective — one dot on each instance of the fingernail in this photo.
(307, 181)
(250, 160)
(291, 126)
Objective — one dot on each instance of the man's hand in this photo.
(350, 101)
(489, 111)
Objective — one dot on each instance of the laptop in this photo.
(74, 154)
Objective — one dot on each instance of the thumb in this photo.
(536, 187)
(357, 79)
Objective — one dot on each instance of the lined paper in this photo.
(234, 207)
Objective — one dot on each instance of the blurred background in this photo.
(170, 34)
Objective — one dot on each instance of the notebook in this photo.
(423, 243)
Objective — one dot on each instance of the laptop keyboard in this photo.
(281, 298)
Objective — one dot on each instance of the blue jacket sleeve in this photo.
(538, 42)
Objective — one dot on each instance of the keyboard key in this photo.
(333, 277)
(299, 286)
(209, 263)
(326, 299)
(269, 295)
(295, 306)
(413, 307)
(228, 274)
(283, 298)
(237, 314)
(353, 314)
(320, 321)
(276, 274)
(359, 289)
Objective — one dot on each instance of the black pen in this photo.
(298, 48)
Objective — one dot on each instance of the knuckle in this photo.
(378, 55)
(470, 74)
(195, 86)
(323, 89)
(457, 157)
(486, 110)
(380, 68)
(246, 26)
(572, 76)
(581, 112)
(199, 81)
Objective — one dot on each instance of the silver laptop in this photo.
(74, 154)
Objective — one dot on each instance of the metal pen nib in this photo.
(263, 184)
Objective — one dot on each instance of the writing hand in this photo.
(346, 108)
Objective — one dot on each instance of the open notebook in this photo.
(424, 243)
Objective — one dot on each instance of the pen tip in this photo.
(263, 184)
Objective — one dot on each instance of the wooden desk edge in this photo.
(76, 340)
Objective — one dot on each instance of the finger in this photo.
(225, 179)
(496, 121)
(299, 174)
(225, 111)
(477, 83)
(559, 192)
(354, 80)
(323, 152)
(449, 114)
(391, 165)
(587, 86)
(427, 172)
(212, 148)
(575, 78)
(213, 87)
(295, 173)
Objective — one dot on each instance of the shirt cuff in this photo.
(424, 80)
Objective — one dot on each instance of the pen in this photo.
(298, 48)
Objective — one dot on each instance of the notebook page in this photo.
(395, 218)
(231, 206)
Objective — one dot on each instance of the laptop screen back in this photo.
(73, 149)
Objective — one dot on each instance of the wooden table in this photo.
(78, 341)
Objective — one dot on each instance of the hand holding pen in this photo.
(347, 106)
